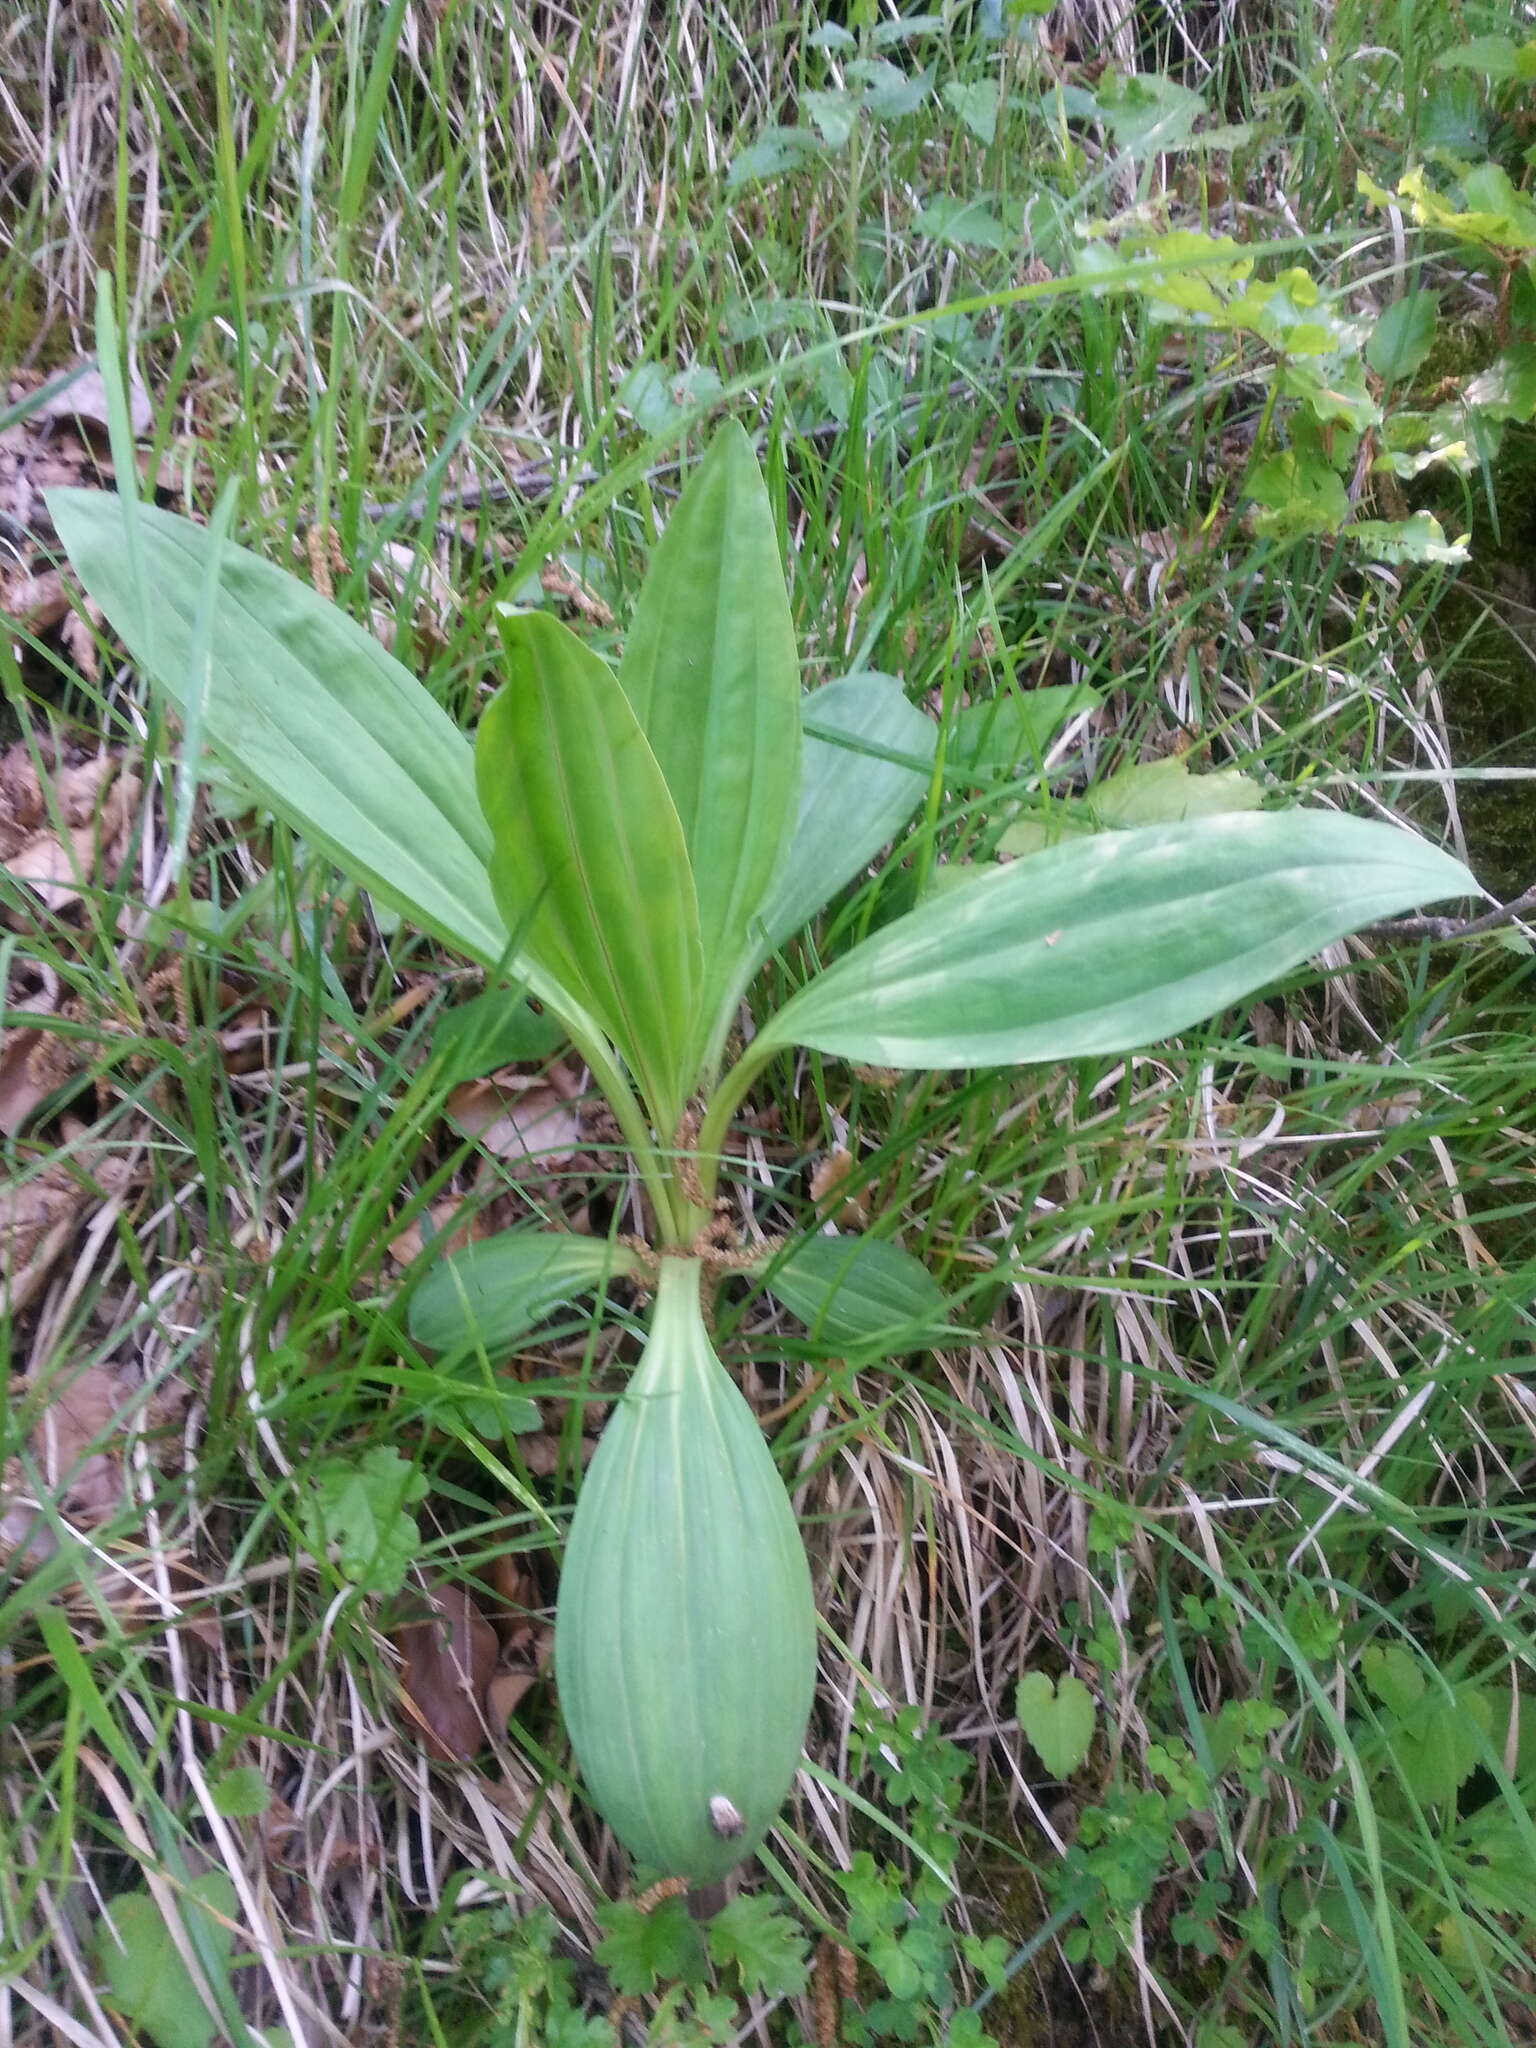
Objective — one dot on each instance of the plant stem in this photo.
(610, 1078)
(723, 1106)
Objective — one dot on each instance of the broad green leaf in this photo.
(1394, 1675)
(497, 1029)
(362, 1505)
(974, 102)
(1058, 1719)
(659, 398)
(1496, 214)
(857, 1290)
(243, 1793)
(1506, 390)
(968, 223)
(146, 1979)
(907, 28)
(1146, 113)
(320, 723)
(1496, 57)
(1165, 793)
(1105, 944)
(1337, 396)
(890, 93)
(711, 672)
(1068, 819)
(1403, 336)
(868, 757)
(995, 738)
(834, 113)
(588, 853)
(1420, 538)
(775, 151)
(493, 1293)
(1299, 494)
(642, 1946)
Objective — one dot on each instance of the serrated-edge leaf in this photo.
(320, 722)
(1102, 945)
(712, 673)
(859, 1291)
(493, 1293)
(866, 767)
(588, 852)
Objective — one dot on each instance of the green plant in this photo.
(629, 848)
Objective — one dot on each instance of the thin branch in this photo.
(1443, 928)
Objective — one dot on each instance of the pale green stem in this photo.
(727, 1099)
(610, 1078)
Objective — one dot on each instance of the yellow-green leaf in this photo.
(711, 672)
(588, 852)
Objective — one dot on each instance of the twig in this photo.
(1444, 928)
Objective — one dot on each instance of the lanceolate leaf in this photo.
(867, 758)
(711, 671)
(319, 721)
(589, 852)
(493, 1293)
(1101, 945)
(858, 1291)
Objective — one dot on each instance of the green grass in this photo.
(1238, 1429)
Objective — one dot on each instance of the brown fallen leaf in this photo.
(84, 399)
(39, 1213)
(437, 1227)
(35, 455)
(74, 1443)
(37, 1219)
(96, 807)
(827, 1176)
(450, 1659)
(33, 1059)
(33, 604)
(525, 1641)
(528, 1120)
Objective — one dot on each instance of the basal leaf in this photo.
(868, 757)
(1058, 1719)
(1506, 390)
(1104, 944)
(993, 739)
(1419, 538)
(1164, 792)
(496, 1029)
(975, 103)
(1494, 57)
(775, 151)
(1300, 495)
(856, 1290)
(968, 223)
(320, 722)
(711, 672)
(146, 1979)
(362, 1506)
(493, 1293)
(1403, 335)
(589, 855)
